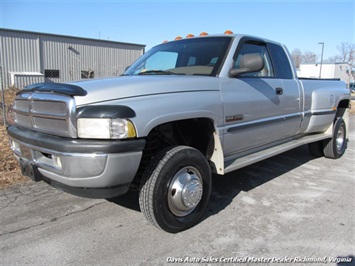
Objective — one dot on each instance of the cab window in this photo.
(255, 48)
(282, 64)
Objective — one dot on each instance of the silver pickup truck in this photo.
(185, 110)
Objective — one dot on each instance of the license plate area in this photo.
(29, 170)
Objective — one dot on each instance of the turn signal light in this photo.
(190, 35)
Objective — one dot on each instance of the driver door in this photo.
(252, 104)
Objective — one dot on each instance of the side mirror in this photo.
(248, 63)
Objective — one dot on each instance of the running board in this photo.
(241, 162)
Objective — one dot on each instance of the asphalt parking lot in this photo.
(292, 209)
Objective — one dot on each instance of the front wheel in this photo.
(175, 189)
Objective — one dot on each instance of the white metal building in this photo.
(342, 71)
(31, 57)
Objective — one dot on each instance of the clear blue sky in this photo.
(298, 24)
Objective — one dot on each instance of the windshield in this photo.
(196, 56)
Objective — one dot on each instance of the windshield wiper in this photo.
(159, 72)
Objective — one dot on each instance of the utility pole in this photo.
(321, 60)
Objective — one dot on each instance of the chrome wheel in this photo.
(340, 138)
(175, 188)
(185, 191)
(335, 147)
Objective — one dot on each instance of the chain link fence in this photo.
(6, 101)
(2, 102)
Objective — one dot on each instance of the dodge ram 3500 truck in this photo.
(183, 111)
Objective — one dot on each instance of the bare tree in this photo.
(309, 57)
(347, 53)
(297, 57)
(334, 59)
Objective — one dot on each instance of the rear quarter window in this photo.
(280, 60)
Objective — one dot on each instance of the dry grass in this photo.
(10, 172)
(9, 96)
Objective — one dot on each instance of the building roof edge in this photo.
(68, 36)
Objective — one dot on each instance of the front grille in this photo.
(45, 112)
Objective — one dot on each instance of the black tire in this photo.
(316, 148)
(175, 189)
(336, 146)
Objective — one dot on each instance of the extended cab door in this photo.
(259, 107)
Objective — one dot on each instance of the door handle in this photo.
(279, 91)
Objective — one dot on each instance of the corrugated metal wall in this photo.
(20, 80)
(19, 52)
(61, 58)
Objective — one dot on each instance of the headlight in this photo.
(105, 128)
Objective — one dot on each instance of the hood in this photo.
(101, 90)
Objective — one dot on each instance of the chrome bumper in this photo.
(76, 163)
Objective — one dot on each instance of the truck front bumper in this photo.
(89, 168)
